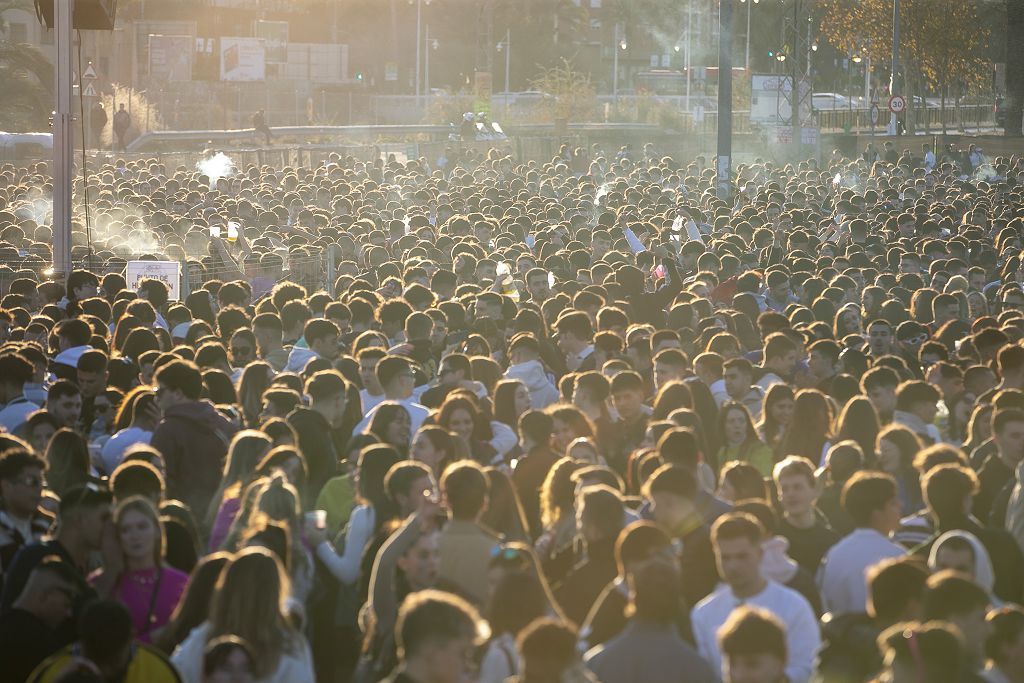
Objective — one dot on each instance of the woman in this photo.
(847, 321)
(979, 429)
(392, 424)
(810, 431)
(740, 441)
(147, 586)
(569, 424)
(461, 416)
(960, 408)
(674, 395)
(776, 413)
(897, 447)
(742, 481)
(511, 400)
(135, 423)
(504, 513)
(436, 448)
(517, 600)
(194, 606)
(558, 517)
(249, 603)
(256, 378)
(915, 653)
(859, 422)
(67, 461)
(246, 450)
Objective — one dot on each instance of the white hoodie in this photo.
(298, 358)
(531, 373)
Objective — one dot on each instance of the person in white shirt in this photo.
(872, 501)
(372, 392)
(737, 539)
(575, 340)
(396, 377)
(15, 371)
(708, 368)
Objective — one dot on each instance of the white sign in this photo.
(90, 90)
(897, 103)
(168, 272)
(242, 59)
(90, 73)
(874, 114)
(769, 94)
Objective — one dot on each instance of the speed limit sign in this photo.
(874, 114)
(897, 104)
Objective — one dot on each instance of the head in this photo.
(22, 480)
(436, 635)
(796, 485)
(872, 501)
(736, 538)
(753, 646)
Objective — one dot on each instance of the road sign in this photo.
(897, 104)
(90, 73)
(875, 114)
(90, 90)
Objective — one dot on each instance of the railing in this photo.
(922, 118)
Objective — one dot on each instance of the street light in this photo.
(621, 45)
(748, 4)
(432, 44)
(419, 38)
(506, 47)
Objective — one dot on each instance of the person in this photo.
(961, 551)
(22, 480)
(465, 546)
(314, 425)
(105, 651)
(16, 372)
(872, 501)
(956, 600)
(547, 649)
(740, 441)
(436, 634)
(97, 122)
(753, 646)
(525, 365)
(650, 647)
(1003, 644)
(517, 599)
(229, 659)
(192, 437)
(122, 121)
(397, 379)
(806, 529)
(929, 651)
(737, 539)
(28, 629)
(259, 125)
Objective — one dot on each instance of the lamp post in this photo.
(419, 44)
(620, 44)
(431, 44)
(506, 47)
(748, 3)
(895, 60)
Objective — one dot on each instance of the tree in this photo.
(26, 79)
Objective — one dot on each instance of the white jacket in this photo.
(298, 358)
(531, 373)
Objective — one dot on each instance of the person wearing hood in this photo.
(321, 337)
(526, 366)
(73, 340)
(192, 437)
(963, 552)
(453, 373)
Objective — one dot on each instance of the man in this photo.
(525, 365)
(92, 376)
(465, 544)
(672, 490)
(1005, 646)
(916, 408)
(397, 379)
(739, 377)
(455, 372)
(879, 385)
(64, 403)
(1010, 363)
(806, 529)
(953, 598)
(879, 338)
(192, 436)
(999, 467)
(372, 392)
(600, 518)
(538, 285)
(627, 392)
(21, 488)
(778, 294)
(823, 361)
(753, 645)
(327, 392)
(85, 514)
(269, 340)
(650, 648)
(72, 341)
(28, 629)
(670, 365)
(780, 358)
(321, 337)
(15, 372)
(872, 501)
(575, 335)
(532, 468)
(737, 539)
(436, 635)
(107, 651)
(122, 121)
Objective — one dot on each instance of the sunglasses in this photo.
(505, 554)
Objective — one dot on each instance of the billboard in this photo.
(769, 99)
(275, 39)
(242, 59)
(170, 57)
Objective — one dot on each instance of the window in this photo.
(17, 32)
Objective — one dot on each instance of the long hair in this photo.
(386, 413)
(750, 440)
(810, 428)
(518, 599)
(671, 397)
(575, 419)
(249, 603)
(481, 427)
(126, 412)
(145, 508)
(770, 428)
(194, 606)
(558, 493)
(67, 461)
(447, 443)
(859, 422)
(246, 450)
(373, 465)
(255, 380)
(504, 512)
(505, 402)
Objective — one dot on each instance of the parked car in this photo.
(823, 101)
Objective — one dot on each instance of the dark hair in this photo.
(637, 542)
(893, 584)
(746, 480)
(866, 493)
(751, 630)
(672, 479)
(105, 630)
(182, 375)
(734, 525)
(949, 594)
(431, 616)
(466, 487)
(14, 461)
(517, 600)
(1005, 624)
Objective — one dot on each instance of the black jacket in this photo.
(583, 586)
(317, 446)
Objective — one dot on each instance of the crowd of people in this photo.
(581, 420)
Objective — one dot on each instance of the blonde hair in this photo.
(246, 450)
(144, 507)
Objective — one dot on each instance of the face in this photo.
(538, 286)
(735, 427)
(884, 399)
(628, 403)
(880, 339)
(461, 422)
(367, 371)
(663, 374)
(522, 400)
(423, 451)
(327, 346)
(40, 436)
(670, 511)
(420, 563)
(759, 668)
(242, 352)
(92, 383)
(889, 457)
(785, 364)
(1010, 441)
(957, 559)
(138, 535)
(796, 494)
(56, 604)
(737, 383)
(237, 668)
(739, 561)
(22, 493)
(67, 410)
(821, 366)
(92, 522)
(782, 411)
(398, 430)
(562, 435)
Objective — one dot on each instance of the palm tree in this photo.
(26, 79)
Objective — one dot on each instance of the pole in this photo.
(689, 69)
(724, 170)
(615, 69)
(508, 57)
(795, 71)
(895, 60)
(867, 80)
(426, 65)
(62, 141)
(419, 45)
